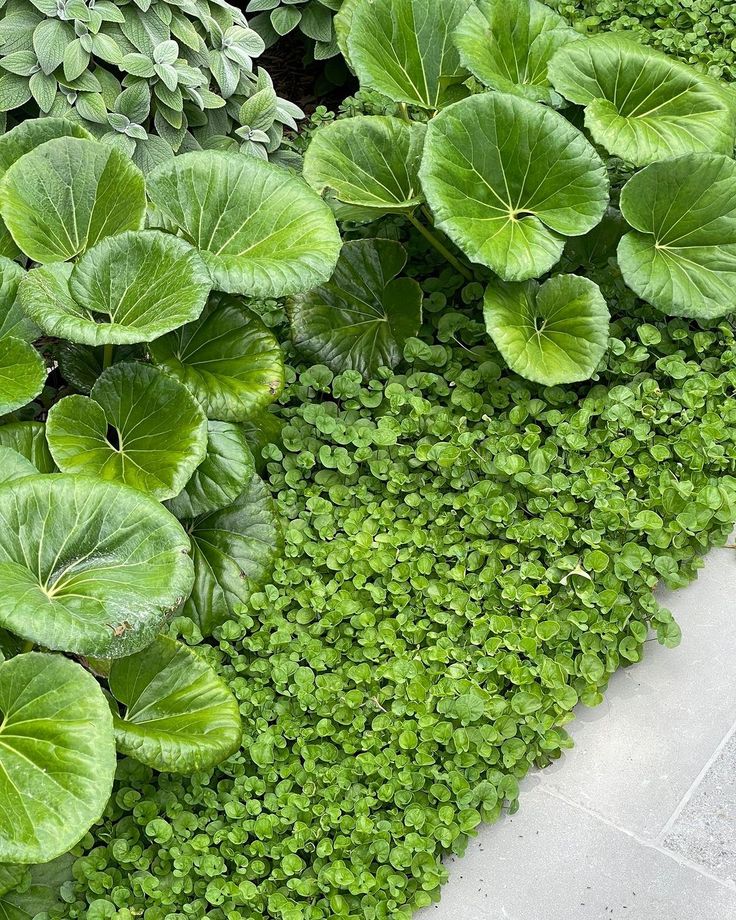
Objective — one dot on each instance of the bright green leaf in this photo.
(14, 465)
(40, 892)
(29, 440)
(22, 373)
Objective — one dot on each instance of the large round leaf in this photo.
(13, 321)
(261, 231)
(88, 566)
(138, 426)
(233, 551)
(228, 360)
(219, 479)
(507, 44)
(67, 194)
(642, 105)
(57, 756)
(22, 373)
(361, 318)
(681, 255)
(180, 716)
(29, 440)
(508, 180)
(14, 465)
(40, 891)
(370, 160)
(404, 49)
(552, 333)
(130, 288)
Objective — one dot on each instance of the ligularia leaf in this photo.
(180, 716)
(508, 180)
(138, 426)
(681, 254)
(228, 360)
(261, 231)
(370, 160)
(14, 465)
(87, 566)
(57, 755)
(22, 373)
(361, 318)
(130, 288)
(507, 44)
(29, 440)
(640, 104)
(13, 321)
(64, 196)
(552, 333)
(403, 48)
(233, 551)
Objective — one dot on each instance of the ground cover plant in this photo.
(485, 448)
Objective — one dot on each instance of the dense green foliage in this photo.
(313, 18)
(467, 555)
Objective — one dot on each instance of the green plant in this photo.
(149, 79)
(513, 183)
(276, 18)
(91, 564)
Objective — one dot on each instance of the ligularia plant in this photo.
(135, 290)
(489, 150)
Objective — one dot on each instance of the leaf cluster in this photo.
(313, 18)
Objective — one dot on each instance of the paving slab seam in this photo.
(672, 820)
(642, 841)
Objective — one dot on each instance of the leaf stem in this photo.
(27, 646)
(404, 110)
(107, 354)
(440, 247)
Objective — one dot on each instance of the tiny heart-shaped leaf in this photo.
(681, 254)
(57, 756)
(64, 196)
(262, 231)
(552, 333)
(138, 426)
(508, 179)
(180, 716)
(234, 551)
(640, 104)
(133, 287)
(87, 566)
(361, 318)
(370, 160)
(228, 360)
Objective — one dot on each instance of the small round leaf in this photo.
(227, 359)
(87, 566)
(57, 756)
(508, 180)
(361, 318)
(138, 426)
(180, 716)
(552, 333)
(261, 231)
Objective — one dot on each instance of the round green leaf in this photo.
(14, 465)
(29, 440)
(361, 318)
(370, 160)
(640, 104)
(507, 44)
(81, 365)
(404, 49)
(180, 716)
(552, 333)
(681, 254)
(13, 320)
(87, 566)
(138, 426)
(233, 551)
(227, 359)
(508, 180)
(261, 231)
(39, 892)
(218, 480)
(62, 197)
(130, 288)
(22, 373)
(57, 756)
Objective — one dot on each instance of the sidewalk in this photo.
(638, 821)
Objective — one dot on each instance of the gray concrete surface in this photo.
(638, 821)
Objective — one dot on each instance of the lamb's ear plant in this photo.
(163, 370)
(487, 159)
